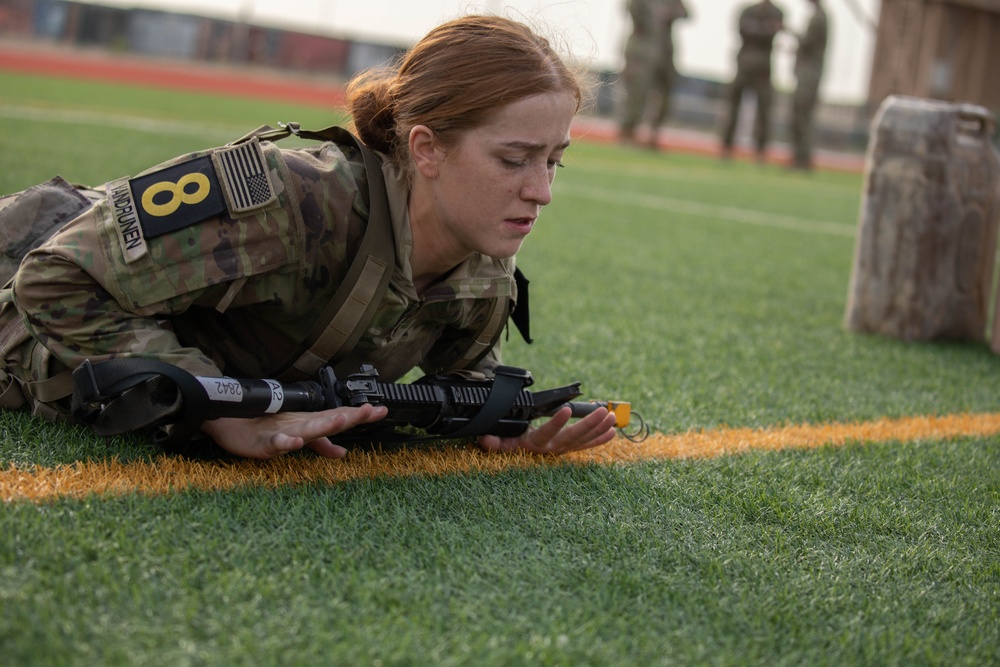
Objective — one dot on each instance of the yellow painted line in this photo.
(172, 474)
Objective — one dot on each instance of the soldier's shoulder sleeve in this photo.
(192, 223)
(329, 175)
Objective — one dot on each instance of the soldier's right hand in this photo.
(283, 432)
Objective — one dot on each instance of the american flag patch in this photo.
(244, 177)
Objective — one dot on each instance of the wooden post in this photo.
(927, 230)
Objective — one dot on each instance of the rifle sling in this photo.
(123, 388)
(507, 384)
(348, 313)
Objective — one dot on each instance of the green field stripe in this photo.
(708, 174)
(170, 474)
(119, 121)
(711, 211)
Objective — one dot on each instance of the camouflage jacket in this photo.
(758, 25)
(641, 42)
(669, 12)
(811, 51)
(233, 270)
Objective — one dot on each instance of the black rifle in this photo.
(123, 395)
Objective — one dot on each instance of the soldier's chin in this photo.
(504, 253)
(501, 256)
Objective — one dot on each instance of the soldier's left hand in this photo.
(557, 436)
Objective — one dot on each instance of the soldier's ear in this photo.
(426, 151)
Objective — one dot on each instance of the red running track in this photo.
(295, 87)
(176, 75)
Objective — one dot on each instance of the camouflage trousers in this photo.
(803, 106)
(758, 81)
(637, 77)
(660, 90)
(30, 377)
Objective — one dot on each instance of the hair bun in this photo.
(371, 107)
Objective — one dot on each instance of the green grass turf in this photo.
(864, 555)
(706, 294)
(714, 294)
(94, 132)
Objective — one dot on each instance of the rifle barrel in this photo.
(244, 397)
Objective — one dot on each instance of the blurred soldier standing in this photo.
(758, 24)
(664, 70)
(637, 74)
(809, 59)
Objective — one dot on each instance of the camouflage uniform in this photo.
(758, 25)
(640, 55)
(237, 292)
(664, 71)
(809, 60)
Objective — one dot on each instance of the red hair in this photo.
(455, 79)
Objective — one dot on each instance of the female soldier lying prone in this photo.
(221, 263)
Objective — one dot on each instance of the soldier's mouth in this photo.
(522, 225)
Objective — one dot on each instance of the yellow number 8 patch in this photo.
(179, 195)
